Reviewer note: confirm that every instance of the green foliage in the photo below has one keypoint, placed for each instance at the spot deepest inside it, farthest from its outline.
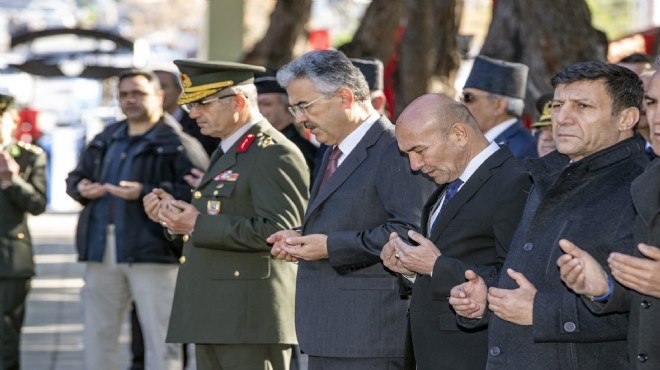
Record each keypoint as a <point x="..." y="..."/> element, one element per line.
<point x="612" y="17"/>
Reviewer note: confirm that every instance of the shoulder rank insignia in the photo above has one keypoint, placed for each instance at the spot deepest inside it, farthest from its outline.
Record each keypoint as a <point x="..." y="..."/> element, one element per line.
<point x="245" y="143"/>
<point x="265" y="141"/>
<point x="29" y="147"/>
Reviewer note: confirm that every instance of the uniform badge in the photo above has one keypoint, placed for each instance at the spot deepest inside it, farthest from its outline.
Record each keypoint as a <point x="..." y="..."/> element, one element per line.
<point x="213" y="207"/>
<point x="243" y="146"/>
<point x="228" y="175"/>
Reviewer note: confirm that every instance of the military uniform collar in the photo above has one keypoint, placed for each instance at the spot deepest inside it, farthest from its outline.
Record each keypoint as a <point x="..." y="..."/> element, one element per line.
<point x="227" y="143"/>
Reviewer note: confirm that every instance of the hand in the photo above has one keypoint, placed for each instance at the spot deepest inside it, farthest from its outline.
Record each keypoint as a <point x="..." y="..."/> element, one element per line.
<point x="581" y="272"/>
<point x="178" y="216"/>
<point x="277" y="240"/>
<point x="419" y="259"/>
<point x="90" y="190"/>
<point x="516" y="305"/>
<point x="153" y="201"/>
<point x="469" y="299"/>
<point x="127" y="190"/>
<point x="639" y="274"/>
<point x="309" y="247"/>
<point x="391" y="258"/>
<point x="8" y="166"/>
<point x="194" y="178"/>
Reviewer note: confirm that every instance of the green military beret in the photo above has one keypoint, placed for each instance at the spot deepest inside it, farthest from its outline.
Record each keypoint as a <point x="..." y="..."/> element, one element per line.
<point x="202" y="79"/>
<point x="6" y="102"/>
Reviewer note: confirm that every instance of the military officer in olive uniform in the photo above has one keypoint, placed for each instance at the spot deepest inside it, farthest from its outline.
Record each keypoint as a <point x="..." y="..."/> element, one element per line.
<point x="22" y="191"/>
<point x="232" y="299"/>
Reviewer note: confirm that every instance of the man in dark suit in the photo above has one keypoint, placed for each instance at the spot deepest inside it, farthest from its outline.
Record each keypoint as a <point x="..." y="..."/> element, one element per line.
<point x="349" y="314"/>
<point x="22" y="191"/>
<point x="581" y="193"/>
<point x="495" y="95"/>
<point x="488" y="188"/>
<point x="232" y="299"/>
<point x="633" y="283"/>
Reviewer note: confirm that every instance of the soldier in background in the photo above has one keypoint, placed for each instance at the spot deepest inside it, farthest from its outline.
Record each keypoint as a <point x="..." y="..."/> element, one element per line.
<point x="22" y="191"/>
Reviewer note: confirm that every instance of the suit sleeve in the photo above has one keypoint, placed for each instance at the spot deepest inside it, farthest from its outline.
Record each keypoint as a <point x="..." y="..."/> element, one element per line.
<point x="506" y="212"/>
<point x="30" y="194"/>
<point x="279" y="184"/>
<point x="402" y="194"/>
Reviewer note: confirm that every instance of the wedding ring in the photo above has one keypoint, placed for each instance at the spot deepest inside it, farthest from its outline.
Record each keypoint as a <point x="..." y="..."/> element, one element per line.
<point x="396" y="255"/>
<point x="163" y="223"/>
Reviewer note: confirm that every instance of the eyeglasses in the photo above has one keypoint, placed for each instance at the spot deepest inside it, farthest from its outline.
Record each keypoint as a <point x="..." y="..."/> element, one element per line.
<point x="302" y="108"/>
<point x="469" y="97"/>
<point x="190" y="106"/>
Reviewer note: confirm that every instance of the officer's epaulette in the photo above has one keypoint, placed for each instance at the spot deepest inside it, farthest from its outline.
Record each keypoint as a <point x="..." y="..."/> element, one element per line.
<point x="29" y="147"/>
<point x="263" y="140"/>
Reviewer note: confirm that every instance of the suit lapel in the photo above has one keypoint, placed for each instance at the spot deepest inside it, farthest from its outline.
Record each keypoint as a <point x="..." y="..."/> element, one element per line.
<point x="476" y="181"/>
<point x="347" y="167"/>
<point x="644" y="191"/>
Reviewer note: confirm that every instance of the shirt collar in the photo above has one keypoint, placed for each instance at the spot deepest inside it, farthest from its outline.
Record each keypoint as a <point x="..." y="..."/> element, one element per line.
<point x="477" y="161"/>
<point x="499" y="128"/>
<point x="351" y="141"/>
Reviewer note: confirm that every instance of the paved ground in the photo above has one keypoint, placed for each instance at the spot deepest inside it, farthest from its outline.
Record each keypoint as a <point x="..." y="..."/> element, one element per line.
<point x="52" y="334"/>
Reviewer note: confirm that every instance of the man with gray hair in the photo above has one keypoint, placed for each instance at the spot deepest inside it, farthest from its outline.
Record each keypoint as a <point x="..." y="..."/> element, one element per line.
<point x="349" y="314"/>
<point x="495" y="95"/>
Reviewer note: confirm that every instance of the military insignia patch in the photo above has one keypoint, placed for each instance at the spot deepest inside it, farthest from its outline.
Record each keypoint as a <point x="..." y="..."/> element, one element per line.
<point x="185" y="80"/>
<point x="213" y="207"/>
<point x="228" y="175"/>
<point x="247" y="140"/>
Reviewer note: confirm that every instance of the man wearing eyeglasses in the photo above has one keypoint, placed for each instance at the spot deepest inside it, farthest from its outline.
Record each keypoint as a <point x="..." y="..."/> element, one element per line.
<point x="495" y="95"/>
<point x="349" y="313"/>
<point x="232" y="299"/>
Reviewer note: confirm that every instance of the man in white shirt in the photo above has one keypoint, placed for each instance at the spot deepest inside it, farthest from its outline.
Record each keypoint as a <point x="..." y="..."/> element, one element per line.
<point x="467" y="223"/>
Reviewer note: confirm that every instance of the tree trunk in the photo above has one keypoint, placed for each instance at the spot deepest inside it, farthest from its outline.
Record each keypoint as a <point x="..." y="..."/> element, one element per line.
<point x="287" y="23"/>
<point x="544" y="36"/>
<point x="429" y="53"/>
<point x="447" y="59"/>
<point x="375" y="36"/>
<point x="416" y="60"/>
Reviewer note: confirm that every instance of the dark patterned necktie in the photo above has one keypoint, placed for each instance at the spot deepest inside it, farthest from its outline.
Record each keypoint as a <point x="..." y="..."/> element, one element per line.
<point x="332" y="165"/>
<point x="450" y="191"/>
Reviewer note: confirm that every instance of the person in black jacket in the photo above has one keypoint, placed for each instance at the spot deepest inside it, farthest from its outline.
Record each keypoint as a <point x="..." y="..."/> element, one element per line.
<point x="633" y="283"/>
<point x="127" y="254"/>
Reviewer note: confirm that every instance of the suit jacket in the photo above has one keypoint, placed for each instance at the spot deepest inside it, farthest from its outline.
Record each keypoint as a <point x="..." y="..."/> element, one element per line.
<point x="26" y="194"/>
<point x="519" y="140"/>
<point x="644" y="329"/>
<point x="229" y="289"/>
<point x="473" y="231"/>
<point x="349" y="304"/>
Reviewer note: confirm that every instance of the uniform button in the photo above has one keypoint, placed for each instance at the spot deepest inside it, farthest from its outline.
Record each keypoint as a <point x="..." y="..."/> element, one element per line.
<point x="186" y="238"/>
<point x="197" y="195"/>
<point x="642" y="357"/>
<point x="495" y="351"/>
<point x="569" y="327"/>
<point x="237" y="273"/>
<point x="645" y="304"/>
<point x="20" y="235"/>
<point x="182" y="260"/>
<point x="528" y="247"/>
